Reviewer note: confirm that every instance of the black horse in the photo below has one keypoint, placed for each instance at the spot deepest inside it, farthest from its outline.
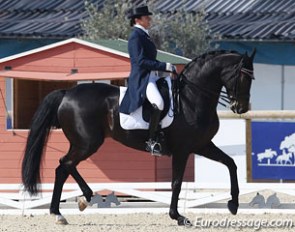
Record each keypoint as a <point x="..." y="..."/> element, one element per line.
<point x="88" y="113"/>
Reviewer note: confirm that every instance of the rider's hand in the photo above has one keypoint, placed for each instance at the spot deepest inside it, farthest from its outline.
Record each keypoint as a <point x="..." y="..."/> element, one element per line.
<point x="172" y="68"/>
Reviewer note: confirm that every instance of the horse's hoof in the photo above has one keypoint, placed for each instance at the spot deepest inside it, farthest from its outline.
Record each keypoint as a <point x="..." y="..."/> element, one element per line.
<point x="82" y="203"/>
<point x="232" y="207"/>
<point x="60" y="220"/>
<point x="182" y="221"/>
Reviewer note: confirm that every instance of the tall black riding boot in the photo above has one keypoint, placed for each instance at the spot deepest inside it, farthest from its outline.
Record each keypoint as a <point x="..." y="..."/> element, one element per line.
<point x="152" y="145"/>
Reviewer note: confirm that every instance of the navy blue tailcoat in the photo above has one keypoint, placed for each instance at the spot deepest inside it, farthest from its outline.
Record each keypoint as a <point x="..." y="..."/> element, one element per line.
<point x="143" y="55"/>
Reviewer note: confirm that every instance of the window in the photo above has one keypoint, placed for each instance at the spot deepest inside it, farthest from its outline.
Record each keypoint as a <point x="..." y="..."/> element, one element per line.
<point x="24" y="96"/>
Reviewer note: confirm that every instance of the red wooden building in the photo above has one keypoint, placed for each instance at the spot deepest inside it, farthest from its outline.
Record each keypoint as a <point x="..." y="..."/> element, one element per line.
<point x="27" y="77"/>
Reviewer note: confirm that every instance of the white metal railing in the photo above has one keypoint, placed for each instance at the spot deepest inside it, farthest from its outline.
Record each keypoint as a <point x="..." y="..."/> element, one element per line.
<point x="192" y="194"/>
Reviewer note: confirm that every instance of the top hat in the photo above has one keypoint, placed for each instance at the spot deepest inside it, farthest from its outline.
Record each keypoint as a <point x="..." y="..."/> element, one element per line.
<point x="138" y="11"/>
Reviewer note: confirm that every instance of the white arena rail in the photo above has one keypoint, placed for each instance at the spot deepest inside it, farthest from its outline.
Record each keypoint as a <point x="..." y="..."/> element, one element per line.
<point x="257" y="114"/>
<point x="192" y="194"/>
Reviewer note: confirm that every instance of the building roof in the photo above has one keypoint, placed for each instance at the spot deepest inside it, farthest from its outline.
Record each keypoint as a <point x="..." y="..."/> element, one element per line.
<point x="72" y="59"/>
<point x="122" y="46"/>
<point x="75" y="59"/>
<point x="117" y="47"/>
<point x="231" y="19"/>
<point x="34" y="18"/>
<point x="243" y="19"/>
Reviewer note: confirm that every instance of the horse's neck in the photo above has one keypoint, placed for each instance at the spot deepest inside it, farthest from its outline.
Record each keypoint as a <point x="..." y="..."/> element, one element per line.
<point x="201" y="95"/>
<point x="201" y="89"/>
<point x="198" y="109"/>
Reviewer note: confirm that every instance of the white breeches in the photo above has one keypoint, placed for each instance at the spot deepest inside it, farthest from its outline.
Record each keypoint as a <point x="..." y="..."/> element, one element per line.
<point x="152" y="92"/>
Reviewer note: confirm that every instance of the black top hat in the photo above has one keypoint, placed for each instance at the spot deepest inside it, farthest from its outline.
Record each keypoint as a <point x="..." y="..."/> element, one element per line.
<point x="138" y="11"/>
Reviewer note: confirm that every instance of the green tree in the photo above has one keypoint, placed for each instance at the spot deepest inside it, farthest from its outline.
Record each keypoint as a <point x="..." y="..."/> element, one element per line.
<point x="180" y="32"/>
<point x="109" y="22"/>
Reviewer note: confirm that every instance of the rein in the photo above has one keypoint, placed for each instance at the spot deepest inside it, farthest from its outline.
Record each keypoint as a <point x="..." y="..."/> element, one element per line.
<point x="222" y="95"/>
<point x="248" y="72"/>
<point x="181" y="78"/>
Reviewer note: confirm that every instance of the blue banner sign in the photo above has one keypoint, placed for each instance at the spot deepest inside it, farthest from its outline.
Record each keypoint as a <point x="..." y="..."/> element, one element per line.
<point x="273" y="150"/>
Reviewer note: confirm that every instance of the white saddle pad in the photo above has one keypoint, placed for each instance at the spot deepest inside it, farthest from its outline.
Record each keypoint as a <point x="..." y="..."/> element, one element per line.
<point x="135" y="120"/>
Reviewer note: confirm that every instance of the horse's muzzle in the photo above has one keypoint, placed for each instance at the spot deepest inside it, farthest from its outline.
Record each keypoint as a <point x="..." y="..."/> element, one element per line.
<point x="239" y="108"/>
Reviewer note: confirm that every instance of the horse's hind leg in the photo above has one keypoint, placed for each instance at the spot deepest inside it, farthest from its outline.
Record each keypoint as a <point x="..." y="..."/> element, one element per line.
<point x="70" y="162"/>
<point x="214" y="153"/>
<point x="68" y="167"/>
<point x="61" y="175"/>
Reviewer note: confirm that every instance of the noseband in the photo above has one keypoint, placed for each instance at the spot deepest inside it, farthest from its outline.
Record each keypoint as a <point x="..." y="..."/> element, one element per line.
<point x="240" y="71"/>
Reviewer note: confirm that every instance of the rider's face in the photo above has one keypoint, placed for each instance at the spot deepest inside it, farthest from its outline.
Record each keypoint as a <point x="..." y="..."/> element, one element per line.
<point x="144" y="21"/>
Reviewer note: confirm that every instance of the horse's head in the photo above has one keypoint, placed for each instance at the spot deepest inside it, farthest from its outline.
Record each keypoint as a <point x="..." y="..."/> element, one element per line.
<point x="202" y="79"/>
<point x="237" y="79"/>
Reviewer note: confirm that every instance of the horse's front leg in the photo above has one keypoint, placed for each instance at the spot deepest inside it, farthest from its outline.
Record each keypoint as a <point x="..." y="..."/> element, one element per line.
<point x="178" y="168"/>
<point x="214" y="153"/>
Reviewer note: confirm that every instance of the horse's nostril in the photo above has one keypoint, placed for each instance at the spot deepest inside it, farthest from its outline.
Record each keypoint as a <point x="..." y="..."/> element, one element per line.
<point x="242" y="110"/>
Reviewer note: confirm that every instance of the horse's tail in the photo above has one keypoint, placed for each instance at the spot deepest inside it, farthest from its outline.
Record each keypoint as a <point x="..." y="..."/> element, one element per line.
<point x="44" y="118"/>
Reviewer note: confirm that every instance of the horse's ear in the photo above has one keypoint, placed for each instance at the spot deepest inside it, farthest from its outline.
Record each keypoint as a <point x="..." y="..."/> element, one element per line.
<point x="253" y="54"/>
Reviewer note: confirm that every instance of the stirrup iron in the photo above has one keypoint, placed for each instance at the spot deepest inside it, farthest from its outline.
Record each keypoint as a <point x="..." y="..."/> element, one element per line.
<point x="151" y="148"/>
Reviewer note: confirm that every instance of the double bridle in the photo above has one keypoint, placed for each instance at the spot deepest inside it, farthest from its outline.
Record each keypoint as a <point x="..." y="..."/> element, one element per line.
<point x="222" y="95"/>
<point x="248" y="73"/>
<point x="240" y="70"/>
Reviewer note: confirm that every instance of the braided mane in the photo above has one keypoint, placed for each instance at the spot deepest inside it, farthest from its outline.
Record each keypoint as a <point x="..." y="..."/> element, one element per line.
<point x="214" y="53"/>
<point x="203" y="58"/>
<point x="198" y="63"/>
